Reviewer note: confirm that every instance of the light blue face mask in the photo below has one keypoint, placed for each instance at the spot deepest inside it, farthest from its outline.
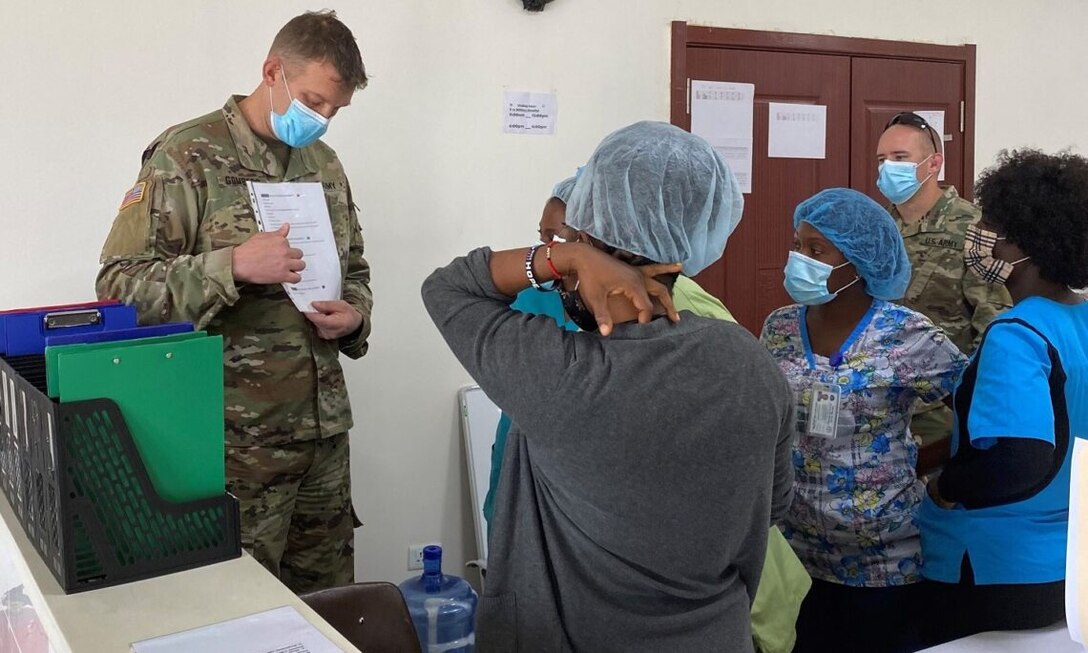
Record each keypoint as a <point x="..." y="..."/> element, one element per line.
<point x="897" y="180"/>
<point x="300" y="125"/>
<point x="806" y="280"/>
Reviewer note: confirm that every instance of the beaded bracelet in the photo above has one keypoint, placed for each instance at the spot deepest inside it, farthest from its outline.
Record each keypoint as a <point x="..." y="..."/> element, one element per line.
<point x="551" y="266"/>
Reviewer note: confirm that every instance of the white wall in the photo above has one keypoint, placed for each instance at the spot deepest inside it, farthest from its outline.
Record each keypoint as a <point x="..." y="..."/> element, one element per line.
<point x="87" y="85"/>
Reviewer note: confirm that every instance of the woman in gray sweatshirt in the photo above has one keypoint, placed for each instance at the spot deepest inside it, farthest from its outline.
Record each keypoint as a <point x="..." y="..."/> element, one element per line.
<point x="648" y="455"/>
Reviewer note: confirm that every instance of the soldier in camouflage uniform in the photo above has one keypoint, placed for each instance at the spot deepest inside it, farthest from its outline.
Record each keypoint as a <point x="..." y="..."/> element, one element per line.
<point x="185" y="246"/>
<point x="933" y="222"/>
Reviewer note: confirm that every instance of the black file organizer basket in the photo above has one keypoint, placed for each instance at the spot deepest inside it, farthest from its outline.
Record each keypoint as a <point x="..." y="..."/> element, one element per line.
<point x="76" y="482"/>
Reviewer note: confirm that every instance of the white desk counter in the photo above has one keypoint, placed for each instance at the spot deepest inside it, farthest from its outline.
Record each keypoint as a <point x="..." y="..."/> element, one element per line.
<point x="1045" y="640"/>
<point x="108" y="620"/>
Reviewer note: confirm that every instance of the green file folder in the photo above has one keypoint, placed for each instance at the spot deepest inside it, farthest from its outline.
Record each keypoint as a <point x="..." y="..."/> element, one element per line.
<point x="52" y="353"/>
<point x="170" y="393"/>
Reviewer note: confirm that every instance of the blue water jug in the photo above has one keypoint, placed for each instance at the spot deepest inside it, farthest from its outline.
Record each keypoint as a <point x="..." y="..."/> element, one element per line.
<point x="443" y="607"/>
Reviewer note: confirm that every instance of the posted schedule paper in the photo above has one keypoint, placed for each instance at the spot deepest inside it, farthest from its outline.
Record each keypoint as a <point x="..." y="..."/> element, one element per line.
<point x="796" y="131"/>
<point x="529" y="113"/>
<point x="281" y="630"/>
<point x="302" y="205"/>
<point x="723" y="114"/>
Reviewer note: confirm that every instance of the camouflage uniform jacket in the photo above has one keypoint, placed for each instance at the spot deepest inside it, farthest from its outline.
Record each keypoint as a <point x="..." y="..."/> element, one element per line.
<point x="941" y="286"/>
<point x="169" y="254"/>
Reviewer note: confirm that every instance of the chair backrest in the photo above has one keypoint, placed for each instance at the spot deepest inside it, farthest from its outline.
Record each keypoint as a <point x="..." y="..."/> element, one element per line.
<point x="372" y="616"/>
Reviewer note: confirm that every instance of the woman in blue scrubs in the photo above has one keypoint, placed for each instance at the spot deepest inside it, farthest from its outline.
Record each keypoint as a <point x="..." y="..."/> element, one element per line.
<point x="858" y="365"/>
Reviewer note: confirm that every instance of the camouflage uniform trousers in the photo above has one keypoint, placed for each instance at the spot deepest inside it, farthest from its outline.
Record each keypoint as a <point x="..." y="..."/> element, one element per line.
<point x="297" y="518"/>
<point x="931" y="423"/>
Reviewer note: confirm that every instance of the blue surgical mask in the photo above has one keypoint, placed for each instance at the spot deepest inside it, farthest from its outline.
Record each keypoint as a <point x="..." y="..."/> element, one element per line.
<point x="806" y="280"/>
<point x="898" y="181"/>
<point x="300" y="125"/>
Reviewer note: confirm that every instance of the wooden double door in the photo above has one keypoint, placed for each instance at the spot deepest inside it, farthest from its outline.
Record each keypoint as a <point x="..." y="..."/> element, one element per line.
<point x="863" y="83"/>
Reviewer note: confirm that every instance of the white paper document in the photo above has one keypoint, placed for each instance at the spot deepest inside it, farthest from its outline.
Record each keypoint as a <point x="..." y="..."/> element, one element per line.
<point x="1076" y="553"/>
<point x="529" y="113"/>
<point x="302" y="205"/>
<point x="281" y="630"/>
<point x="722" y="113"/>
<point x="936" y="121"/>
<point x="796" y="131"/>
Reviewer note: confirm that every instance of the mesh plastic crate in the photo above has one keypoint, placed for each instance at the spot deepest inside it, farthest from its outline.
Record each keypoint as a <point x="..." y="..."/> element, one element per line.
<point x="75" y="480"/>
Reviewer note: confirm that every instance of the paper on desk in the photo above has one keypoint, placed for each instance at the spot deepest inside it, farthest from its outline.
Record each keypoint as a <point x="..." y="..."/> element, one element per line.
<point x="280" y="630"/>
<point x="1076" y="556"/>
<point x="302" y="205"/>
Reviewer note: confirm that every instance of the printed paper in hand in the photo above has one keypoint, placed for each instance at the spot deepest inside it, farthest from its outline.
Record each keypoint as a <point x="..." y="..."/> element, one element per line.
<point x="302" y="205"/>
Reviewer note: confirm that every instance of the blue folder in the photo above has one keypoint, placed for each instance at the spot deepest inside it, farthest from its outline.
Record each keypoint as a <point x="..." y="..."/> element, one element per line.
<point x="23" y="332"/>
<point x="148" y="331"/>
<point x="5" y="314"/>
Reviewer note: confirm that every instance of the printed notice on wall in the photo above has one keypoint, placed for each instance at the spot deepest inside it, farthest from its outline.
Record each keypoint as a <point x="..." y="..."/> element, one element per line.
<point x="936" y="121"/>
<point x="796" y="131"/>
<point x="722" y="113"/>
<point x="529" y="113"/>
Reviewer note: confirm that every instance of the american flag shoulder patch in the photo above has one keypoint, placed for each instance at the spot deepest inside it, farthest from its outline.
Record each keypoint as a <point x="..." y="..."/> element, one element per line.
<point x="135" y="195"/>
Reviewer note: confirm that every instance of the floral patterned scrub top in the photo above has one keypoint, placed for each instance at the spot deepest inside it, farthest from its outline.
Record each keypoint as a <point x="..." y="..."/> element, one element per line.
<point x="856" y="495"/>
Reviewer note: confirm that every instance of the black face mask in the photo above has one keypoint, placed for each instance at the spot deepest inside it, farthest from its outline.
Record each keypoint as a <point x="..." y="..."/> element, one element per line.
<point x="576" y="310"/>
<point x="572" y="302"/>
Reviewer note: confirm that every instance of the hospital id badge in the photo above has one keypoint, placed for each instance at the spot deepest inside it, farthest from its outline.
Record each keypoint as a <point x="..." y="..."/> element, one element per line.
<point x="823" y="411"/>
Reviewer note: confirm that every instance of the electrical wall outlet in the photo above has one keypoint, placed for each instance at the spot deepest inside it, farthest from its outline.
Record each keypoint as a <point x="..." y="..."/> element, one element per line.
<point x="415" y="555"/>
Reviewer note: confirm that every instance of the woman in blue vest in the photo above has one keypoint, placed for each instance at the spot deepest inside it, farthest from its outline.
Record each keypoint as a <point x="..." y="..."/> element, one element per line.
<point x="994" y="523"/>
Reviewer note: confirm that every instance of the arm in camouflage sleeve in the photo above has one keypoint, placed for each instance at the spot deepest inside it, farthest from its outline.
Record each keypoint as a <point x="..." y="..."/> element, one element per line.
<point x="986" y="301"/>
<point x="357" y="290"/>
<point x="149" y="258"/>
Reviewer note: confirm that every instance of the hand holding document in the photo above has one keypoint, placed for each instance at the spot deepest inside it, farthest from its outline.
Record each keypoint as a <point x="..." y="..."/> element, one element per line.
<point x="302" y="206"/>
<point x="334" y="319"/>
<point x="267" y="257"/>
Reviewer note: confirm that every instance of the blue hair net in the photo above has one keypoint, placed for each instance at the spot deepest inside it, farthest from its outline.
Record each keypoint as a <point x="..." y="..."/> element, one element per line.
<point x="866" y="235"/>
<point x="563" y="189"/>
<point x="658" y="191"/>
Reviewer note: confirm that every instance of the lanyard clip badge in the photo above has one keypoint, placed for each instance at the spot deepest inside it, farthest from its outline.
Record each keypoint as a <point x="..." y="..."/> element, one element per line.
<point x="823" y="412"/>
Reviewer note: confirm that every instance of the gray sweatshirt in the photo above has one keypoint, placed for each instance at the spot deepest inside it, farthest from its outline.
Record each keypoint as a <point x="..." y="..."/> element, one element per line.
<point x="638" y="481"/>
